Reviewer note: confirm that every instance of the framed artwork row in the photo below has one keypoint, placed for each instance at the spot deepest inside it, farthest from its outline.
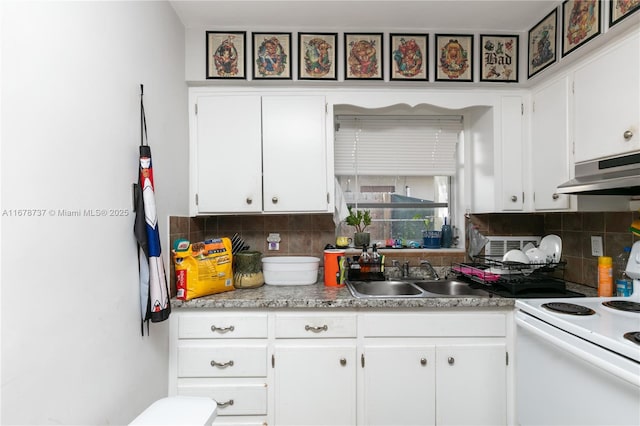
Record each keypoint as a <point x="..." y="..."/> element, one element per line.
<point x="270" y="56"/>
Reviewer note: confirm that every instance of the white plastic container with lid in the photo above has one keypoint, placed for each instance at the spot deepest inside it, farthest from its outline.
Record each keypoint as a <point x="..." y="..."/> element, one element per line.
<point x="290" y="270"/>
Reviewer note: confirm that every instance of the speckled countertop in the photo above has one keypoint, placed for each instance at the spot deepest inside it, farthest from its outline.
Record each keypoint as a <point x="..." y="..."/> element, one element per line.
<point x="320" y="296"/>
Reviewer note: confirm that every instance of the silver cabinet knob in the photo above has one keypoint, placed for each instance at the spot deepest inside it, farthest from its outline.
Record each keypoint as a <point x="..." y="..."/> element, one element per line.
<point x="343" y="361"/>
<point x="451" y="360"/>
<point x="514" y="198"/>
<point x="249" y="200"/>
<point x="274" y="200"/>
<point x="423" y="361"/>
<point x="555" y="196"/>
<point x="627" y="135"/>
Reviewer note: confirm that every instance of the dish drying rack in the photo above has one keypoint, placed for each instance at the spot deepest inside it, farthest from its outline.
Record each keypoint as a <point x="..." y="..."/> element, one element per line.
<point x="513" y="276"/>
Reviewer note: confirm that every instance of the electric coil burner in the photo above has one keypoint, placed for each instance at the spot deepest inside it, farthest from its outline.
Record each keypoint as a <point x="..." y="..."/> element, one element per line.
<point x="623" y="305"/>
<point x="633" y="336"/>
<point x="568" y="308"/>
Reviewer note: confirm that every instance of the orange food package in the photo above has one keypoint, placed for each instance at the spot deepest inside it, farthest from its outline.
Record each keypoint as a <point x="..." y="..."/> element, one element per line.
<point x="204" y="269"/>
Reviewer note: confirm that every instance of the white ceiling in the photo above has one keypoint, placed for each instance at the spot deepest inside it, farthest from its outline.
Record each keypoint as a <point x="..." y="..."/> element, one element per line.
<point x="377" y="15"/>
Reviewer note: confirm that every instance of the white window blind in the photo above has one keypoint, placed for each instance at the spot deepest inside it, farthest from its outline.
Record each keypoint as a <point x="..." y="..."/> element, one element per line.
<point x="391" y="145"/>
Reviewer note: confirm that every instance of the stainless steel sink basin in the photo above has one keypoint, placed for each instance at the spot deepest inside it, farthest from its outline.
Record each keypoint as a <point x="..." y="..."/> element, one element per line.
<point x="450" y="288"/>
<point x="383" y="289"/>
<point x="413" y="289"/>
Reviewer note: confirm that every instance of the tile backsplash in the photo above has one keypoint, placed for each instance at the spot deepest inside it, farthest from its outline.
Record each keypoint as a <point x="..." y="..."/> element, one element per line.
<point x="307" y="235"/>
<point x="575" y="229"/>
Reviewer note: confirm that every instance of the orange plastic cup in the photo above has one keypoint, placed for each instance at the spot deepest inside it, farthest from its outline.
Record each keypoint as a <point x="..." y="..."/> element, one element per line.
<point x="331" y="267"/>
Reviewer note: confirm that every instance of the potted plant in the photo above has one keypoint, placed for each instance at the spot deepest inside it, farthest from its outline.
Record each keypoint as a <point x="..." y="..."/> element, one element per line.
<point x="360" y="220"/>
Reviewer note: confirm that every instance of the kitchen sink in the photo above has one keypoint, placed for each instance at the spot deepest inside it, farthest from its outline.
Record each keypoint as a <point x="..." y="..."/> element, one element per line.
<point x="406" y="288"/>
<point x="450" y="288"/>
<point x="365" y="289"/>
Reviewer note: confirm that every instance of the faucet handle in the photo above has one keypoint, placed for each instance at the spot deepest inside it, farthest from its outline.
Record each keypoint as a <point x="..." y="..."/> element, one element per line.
<point x="394" y="262"/>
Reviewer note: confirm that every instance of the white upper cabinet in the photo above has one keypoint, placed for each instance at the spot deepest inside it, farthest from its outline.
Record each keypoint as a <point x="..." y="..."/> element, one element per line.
<point x="252" y="153"/>
<point x="511" y="177"/>
<point x="550" y="161"/>
<point x="606" y="102"/>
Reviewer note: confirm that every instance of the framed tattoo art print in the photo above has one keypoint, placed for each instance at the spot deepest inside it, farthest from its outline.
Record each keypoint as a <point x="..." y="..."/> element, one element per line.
<point x="620" y="9"/>
<point x="542" y="44"/>
<point x="317" y="56"/>
<point x="226" y="54"/>
<point x="272" y="56"/>
<point x="454" y="57"/>
<point x="499" y="58"/>
<point x="363" y="56"/>
<point x="580" y="23"/>
<point x="409" y="56"/>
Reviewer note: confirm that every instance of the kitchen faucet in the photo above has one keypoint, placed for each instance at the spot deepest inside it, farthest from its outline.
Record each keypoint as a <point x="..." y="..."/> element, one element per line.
<point x="405" y="267"/>
<point x="432" y="270"/>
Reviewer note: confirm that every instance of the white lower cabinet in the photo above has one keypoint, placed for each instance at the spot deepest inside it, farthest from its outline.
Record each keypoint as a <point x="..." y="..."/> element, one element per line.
<point x="345" y="367"/>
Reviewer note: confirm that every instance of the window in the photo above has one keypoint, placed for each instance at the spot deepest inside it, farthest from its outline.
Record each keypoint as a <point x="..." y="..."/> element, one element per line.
<point x="400" y="168"/>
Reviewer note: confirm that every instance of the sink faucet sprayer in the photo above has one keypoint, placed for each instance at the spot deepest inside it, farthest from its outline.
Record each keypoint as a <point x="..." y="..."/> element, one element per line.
<point x="432" y="270"/>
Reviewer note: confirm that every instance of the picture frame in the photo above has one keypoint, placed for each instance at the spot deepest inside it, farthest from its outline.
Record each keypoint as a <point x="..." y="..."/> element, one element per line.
<point x="226" y="54"/>
<point x="619" y="10"/>
<point x="542" y="44"/>
<point x="363" y="56"/>
<point x="581" y="21"/>
<point x="271" y="57"/>
<point x="409" y="57"/>
<point x="317" y="56"/>
<point x="499" y="58"/>
<point x="453" y="57"/>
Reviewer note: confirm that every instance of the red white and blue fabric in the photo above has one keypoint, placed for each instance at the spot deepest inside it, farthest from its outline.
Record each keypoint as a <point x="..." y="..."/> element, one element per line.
<point x="154" y="291"/>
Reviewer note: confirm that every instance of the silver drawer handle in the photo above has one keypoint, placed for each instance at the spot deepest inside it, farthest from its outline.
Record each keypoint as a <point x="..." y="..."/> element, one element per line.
<point x="222" y="329"/>
<point x="627" y="135"/>
<point x="343" y="361"/>
<point x="423" y="361"/>
<point x="316" y="329"/>
<point x="555" y="196"/>
<point x="222" y="364"/>
<point x="224" y="404"/>
<point x="451" y="360"/>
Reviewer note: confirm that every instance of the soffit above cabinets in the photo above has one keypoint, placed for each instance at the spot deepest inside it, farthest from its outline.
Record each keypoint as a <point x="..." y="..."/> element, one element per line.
<point x="356" y="15"/>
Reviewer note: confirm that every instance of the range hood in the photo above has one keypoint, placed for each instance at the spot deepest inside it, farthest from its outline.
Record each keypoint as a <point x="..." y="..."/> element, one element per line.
<point x="611" y="176"/>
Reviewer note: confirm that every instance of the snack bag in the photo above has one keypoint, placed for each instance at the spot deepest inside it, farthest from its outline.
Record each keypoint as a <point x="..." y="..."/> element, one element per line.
<point x="204" y="268"/>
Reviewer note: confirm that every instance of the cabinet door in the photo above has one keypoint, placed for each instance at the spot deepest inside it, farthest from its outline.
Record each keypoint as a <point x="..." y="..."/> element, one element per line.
<point x="606" y="102"/>
<point x="511" y="152"/>
<point x="550" y="145"/>
<point x="228" y="154"/>
<point x="399" y="385"/>
<point x="473" y="375"/>
<point x="315" y="384"/>
<point x="294" y="153"/>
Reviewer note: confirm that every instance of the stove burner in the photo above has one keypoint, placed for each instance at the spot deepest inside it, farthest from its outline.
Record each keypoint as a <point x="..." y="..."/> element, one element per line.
<point x="623" y="305"/>
<point x="633" y="336"/>
<point x="568" y="308"/>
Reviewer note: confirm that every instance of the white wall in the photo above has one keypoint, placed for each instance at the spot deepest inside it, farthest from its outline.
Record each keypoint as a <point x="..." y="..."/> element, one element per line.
<point x="72" y="352"/>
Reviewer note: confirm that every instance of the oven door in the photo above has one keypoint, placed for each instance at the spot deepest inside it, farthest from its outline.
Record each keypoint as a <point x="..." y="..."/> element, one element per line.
<point x="564" y="380"/>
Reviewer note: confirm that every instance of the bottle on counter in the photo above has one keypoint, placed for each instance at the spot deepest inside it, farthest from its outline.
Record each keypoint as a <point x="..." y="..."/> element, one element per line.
<point x="375" y="259"/>
<point x="605" y="276"/>
<point x="623" y="284"/>
<point x="364" y="260"/>
<point x="446" y="236"/>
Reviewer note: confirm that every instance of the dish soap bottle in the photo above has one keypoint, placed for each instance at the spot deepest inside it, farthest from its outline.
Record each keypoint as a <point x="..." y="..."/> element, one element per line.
<point x="365" y="260"/>
<point x="624" y="284"/>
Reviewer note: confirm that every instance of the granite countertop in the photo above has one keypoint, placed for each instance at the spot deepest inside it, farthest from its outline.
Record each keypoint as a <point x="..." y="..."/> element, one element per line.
<point x="320" y="296"/>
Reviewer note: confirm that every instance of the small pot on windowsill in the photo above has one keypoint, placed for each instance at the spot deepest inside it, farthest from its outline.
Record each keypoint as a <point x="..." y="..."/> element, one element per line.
<point x="361" y="239"/>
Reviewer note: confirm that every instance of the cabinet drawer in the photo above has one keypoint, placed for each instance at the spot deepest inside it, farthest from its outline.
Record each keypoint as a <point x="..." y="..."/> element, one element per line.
<point x="315" y="326"/>
<point x="208" y="326"/>
<point x="435" y="325"/>
<point x="233" y="400"/>
<point x="213" y="359"/>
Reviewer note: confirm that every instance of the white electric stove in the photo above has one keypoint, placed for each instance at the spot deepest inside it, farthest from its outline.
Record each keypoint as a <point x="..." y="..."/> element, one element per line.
<point x="580" y="357"/>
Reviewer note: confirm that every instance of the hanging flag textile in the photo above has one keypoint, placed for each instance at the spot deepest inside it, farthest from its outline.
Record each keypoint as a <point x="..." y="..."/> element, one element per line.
<point x="154" y="290"/>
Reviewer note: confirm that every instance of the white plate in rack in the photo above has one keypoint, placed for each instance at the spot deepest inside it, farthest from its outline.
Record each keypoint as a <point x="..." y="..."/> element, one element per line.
<point x="552" y="245"/>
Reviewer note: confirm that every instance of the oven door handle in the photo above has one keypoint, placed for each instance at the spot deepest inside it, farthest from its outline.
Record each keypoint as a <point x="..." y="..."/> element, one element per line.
<point x="634" y="379"/>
